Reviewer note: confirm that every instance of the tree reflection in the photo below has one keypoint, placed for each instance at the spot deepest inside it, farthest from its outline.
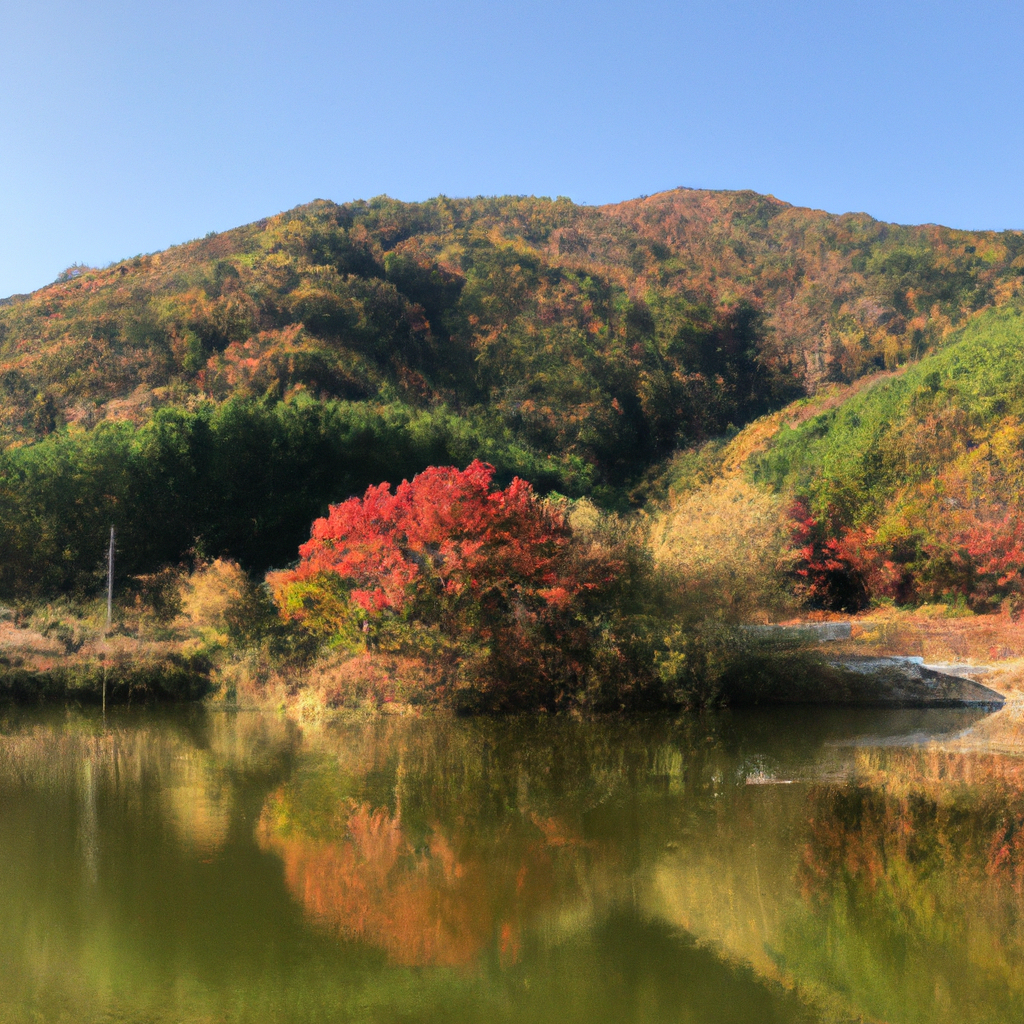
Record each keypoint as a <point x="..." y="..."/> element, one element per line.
<point x="914" y="883"/>
<point x="434" y="867"/>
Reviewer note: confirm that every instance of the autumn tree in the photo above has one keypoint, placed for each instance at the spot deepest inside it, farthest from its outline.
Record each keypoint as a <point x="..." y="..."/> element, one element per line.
<point x="826" y="575"/>
<point x="465" y="573"/>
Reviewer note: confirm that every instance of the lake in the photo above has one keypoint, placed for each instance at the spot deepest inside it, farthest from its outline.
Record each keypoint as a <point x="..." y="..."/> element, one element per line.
<point x="786" y="865"/>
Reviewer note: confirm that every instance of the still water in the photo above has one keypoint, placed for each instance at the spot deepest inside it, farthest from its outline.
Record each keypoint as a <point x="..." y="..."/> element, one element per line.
<point x="799" y="865"/>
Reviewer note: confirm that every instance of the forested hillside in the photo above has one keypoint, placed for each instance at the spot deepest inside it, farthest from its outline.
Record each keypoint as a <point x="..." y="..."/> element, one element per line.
<point x="844" y="294"/>
<point x="466" y="304"/>
<point x="919" y="480"/>
<point x="592" y="329"/>
<point x="214" y="397"/>
<point x="909" y="487"/>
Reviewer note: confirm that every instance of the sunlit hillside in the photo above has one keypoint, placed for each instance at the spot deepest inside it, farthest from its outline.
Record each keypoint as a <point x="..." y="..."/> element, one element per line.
<point x="212" y="399"/>
<point x="909" y="482"/>
<point x="845" y="294"/>
<point x="531" y="307"/>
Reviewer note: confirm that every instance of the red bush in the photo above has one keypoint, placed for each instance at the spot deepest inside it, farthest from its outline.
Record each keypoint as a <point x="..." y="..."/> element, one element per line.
<point x="827" y="576"/>
<point x="984" y="558"/>
<point x="490" y="571"/>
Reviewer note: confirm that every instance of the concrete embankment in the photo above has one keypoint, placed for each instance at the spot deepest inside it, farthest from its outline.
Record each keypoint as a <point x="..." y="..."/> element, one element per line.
<point x="908" y="682"/>
<point x="874" y="679"/>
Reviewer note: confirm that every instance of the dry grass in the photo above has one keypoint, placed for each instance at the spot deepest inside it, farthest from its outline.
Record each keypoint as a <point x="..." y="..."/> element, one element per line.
<point x="174" y="628"/>
<point x="995" y="642"/>
<point x="725" y="541"/>
<point x="187" y="617"/>
<point x="28" y="647"/>
<point x="334" y="685"/>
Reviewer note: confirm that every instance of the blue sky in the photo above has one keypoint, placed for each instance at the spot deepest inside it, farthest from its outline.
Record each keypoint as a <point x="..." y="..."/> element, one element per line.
<point x="126" y="127"/>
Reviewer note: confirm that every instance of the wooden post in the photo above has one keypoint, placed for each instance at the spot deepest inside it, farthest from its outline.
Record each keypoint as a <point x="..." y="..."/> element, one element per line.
<point x="110" y="580"/>
<point x="110" y="611"/>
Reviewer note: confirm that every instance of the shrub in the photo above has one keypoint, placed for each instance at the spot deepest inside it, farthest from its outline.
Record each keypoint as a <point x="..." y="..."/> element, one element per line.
<point x="489" y="583"/>
<point x="827" y="577"/>
<point x="725" y="543"/>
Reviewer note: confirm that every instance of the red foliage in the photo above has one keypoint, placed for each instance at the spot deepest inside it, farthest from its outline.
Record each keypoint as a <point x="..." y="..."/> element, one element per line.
<point x="976" y="555"/>
<point x="827" y="574"/>
<point x="980" y="556"/>
<point x="438" y="537"/>
<point x="886" y="568"/>
<point x="996" y="551"/>
<point x="444" y="550"/>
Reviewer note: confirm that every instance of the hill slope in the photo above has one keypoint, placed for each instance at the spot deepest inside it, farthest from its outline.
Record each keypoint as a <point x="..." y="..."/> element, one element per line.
<point x="216" y="396"/>
<point x="463" y="303"/>
<point x="909" y="487"/>
<point x="599" y="330"/>
<point x="845" y="294"/>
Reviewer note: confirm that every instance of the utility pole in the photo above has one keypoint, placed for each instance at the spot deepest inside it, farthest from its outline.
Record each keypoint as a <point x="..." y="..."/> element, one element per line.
<point x="110" y="611"/>
<point x="110" y="580"/>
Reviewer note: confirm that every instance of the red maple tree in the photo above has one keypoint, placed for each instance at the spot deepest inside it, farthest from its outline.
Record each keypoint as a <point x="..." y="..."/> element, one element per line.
<point x="827" y="576"/>
<point x="491" y="568"/>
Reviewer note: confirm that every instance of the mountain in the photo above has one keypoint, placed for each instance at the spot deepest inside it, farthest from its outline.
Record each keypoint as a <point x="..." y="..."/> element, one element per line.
<point x="216" y="396"/>
<point x="601" y="330"/>
<point x="470" y="304"/>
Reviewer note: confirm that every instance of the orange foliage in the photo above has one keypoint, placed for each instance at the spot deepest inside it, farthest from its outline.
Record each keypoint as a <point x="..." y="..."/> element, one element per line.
<point x="437" y="904"/>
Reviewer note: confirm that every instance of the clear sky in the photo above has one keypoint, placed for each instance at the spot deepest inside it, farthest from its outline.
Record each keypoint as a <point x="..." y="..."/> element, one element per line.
<point x="128" y="126"/>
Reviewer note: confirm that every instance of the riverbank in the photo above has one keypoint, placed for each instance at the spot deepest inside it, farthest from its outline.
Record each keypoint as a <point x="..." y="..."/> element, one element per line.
<point x="888" y="658"/>
<point x="987" y="648"/>
<point x="34" y="667"/>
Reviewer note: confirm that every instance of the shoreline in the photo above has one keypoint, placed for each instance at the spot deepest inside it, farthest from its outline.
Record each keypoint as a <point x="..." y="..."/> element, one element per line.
<point x="853" y="667"/>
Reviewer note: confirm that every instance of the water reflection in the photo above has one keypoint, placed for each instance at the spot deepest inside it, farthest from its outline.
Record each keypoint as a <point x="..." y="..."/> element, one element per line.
<point x="922" y="863"/>
<point x="438" y="844"/>
<point x="232" y="867"/>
